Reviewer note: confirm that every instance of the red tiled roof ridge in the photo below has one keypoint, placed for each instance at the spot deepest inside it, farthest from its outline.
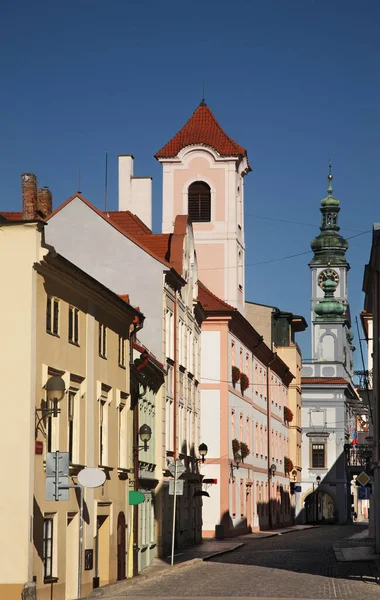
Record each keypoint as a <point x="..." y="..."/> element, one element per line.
<point x="124" y="297"/>
<point x="218" y="301"/>
<point x="137" y="345"/>
<point x="201" y="129"/>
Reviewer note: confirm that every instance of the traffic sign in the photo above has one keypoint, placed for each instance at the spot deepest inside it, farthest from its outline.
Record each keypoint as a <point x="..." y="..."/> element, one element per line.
<point x="180" y="467"/>
<point x="364" y="493"/>
<point x="363" y="478"/>
<point x="178" y="487"/>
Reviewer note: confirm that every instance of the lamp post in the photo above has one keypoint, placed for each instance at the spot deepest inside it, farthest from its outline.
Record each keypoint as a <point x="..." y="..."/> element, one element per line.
<point x="55" y="390"/>
<point x="202" y="449"/>
<point x="271" y="473"/>
<point x="237" y="459"/>
<point x="145" y="434"/>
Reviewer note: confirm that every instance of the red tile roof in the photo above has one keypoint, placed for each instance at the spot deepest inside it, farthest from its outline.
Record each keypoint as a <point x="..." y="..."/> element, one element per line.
<point x="325" y="380"/>
<point x="127" y="221"/>
<point x="124" y="297"/>
<point x="202" y="128"/>
<point x="158" y="244"/>
<point x="12" y="216"/>
<point x="210" y="302"/>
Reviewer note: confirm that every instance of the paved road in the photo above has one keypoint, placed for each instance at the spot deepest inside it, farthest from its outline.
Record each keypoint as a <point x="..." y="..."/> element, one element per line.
<point x="295" y="565"/>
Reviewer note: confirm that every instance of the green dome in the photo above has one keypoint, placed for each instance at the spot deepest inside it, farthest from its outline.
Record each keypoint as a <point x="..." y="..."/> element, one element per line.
<point x="329" y="308"/>
<point x="330" y="201"/>
<point x="329" y="246"/>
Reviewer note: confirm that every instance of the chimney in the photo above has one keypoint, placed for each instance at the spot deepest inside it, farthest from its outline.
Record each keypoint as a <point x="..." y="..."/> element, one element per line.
<point x="29" y="195"/>
<point x="44" y="206"/>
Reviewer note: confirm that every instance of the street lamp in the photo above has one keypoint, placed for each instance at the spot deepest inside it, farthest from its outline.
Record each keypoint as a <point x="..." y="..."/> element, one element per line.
<point x="272" y="470"/>
<point x="237" y="459"/>
<point x="202" y="449"/>
<point x="294" y="473"/>
<point x="145" y="434"/>
<point x="55" y="390"/>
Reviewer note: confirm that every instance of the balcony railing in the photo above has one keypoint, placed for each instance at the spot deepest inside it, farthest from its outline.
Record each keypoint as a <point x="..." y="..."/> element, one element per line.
<point x="359" y="455"/>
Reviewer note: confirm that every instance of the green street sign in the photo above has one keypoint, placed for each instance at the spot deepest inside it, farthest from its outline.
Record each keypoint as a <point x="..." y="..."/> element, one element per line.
<point x="136" y="498"/>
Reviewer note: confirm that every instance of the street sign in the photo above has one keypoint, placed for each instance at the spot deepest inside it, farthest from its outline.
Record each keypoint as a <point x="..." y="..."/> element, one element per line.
<point x="179" y="487"/>
<point x="57" y="476"/>
<point x="363" y="478"/>
<point x="180" y="467"/>
<point x="364" y="493"/>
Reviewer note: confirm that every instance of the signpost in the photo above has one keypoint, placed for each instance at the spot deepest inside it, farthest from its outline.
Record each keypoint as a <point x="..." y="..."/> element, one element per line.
<point x="57" y="488"/>
<point x="176" y="468"/>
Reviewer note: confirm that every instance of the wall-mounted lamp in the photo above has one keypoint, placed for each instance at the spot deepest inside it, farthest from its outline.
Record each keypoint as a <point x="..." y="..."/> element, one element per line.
<point x="272" y="470"/>
<point x="294" y="473"/>
<point x="237" y="459"/>
<point x="318" y="479"/>
<point x="202" y="449"/>
<point x="55" y="390"/>
<point x="145" y="434"/>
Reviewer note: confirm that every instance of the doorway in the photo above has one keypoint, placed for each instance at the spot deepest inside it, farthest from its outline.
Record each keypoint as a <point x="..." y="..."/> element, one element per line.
<point x="121" y="547"/>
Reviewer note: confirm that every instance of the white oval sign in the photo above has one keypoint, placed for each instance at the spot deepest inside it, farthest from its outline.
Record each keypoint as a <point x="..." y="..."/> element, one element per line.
<point x="91" y="477"/>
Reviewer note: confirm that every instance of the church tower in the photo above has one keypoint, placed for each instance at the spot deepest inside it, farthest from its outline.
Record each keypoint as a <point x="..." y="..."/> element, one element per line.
<point x="203" y="176"/>
<point x="330" y="311"/>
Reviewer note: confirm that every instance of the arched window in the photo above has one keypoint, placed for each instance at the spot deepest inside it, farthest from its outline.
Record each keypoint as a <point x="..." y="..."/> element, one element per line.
<point x="199" y="206"/>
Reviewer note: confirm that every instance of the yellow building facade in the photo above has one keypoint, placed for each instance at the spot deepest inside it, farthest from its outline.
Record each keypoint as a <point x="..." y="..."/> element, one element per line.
<point x="58" y="321"/>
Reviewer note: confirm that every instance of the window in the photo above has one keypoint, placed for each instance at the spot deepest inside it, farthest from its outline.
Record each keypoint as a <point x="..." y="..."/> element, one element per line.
<point x="102" y="341"/>
<point x="48" y="546"/>
<point x="318" y="456"/>
<point x="73" y="325"/>
<point x="121" y="352"/>
<point x="52" y="315"/>
<point x="199" y="205"/>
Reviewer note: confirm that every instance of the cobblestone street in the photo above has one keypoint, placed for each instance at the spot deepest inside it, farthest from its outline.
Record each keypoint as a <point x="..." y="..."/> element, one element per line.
<point x="296" y="565"/>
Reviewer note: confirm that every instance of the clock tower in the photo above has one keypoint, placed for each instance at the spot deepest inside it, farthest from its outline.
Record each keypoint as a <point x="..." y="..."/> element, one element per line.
<point x="330" y="312"/>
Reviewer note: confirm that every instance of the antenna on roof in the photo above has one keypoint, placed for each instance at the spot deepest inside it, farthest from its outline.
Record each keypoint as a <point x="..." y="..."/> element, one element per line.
<point x="203" y="92"/>
<point x="79" y="178"/>
<point x="106" y="183"/>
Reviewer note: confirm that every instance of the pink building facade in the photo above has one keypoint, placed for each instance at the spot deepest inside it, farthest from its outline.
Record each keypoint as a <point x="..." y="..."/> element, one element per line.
<point x="203" y="176"/>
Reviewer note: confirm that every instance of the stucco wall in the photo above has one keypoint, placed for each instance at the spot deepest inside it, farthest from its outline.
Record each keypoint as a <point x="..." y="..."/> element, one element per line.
<point x="85" y="238"/>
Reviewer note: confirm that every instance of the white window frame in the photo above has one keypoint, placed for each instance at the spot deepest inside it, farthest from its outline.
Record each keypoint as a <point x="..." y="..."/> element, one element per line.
<point x="73" y="325"/>
<point x="52" y="315"/>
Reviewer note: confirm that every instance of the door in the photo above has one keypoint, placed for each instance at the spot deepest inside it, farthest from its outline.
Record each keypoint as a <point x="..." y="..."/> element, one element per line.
<point x="121" y="546"/>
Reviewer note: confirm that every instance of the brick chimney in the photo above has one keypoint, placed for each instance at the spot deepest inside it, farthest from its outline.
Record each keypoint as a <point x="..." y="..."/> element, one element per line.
<point x="29" y="195"/>
<point x="44" y="206"/>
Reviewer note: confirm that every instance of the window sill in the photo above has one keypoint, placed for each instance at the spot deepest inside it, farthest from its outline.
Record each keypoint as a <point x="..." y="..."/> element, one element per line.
<point x="74" y="343"/>
<point x="122" y="367"/>
<point x="52" y="333"/>
<point x="51" y="579"/>
<point x="103" y="356"/>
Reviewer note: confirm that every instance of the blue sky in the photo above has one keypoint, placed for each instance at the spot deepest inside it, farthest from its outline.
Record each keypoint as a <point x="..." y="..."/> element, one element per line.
<point x="292" y="81"/>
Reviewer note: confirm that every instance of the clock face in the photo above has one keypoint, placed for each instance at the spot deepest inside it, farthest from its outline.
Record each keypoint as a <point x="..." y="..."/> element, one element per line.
<point x="328" y="274"/>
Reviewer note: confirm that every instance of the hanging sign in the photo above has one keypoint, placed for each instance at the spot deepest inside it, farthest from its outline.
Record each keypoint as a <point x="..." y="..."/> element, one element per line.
<point x="135" y="497"/>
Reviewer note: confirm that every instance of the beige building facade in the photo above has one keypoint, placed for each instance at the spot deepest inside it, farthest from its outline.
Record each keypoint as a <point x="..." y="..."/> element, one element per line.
<point x="61" y="322"/>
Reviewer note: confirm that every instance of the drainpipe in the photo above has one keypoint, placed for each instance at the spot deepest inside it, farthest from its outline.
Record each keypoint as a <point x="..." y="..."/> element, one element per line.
<point x="376" y="340"/>
<point x="137" y="327"/>
<point x="175" y="379"/>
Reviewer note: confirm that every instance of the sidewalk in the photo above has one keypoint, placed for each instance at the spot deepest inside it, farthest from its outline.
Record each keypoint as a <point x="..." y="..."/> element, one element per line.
<point x="190" y="557"/>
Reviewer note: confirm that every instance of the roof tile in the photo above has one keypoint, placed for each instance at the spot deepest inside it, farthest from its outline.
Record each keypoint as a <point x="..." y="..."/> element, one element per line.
<point x="325" y="380"/>
<point x="210" y="302"/>
<point x="202" y="128"/>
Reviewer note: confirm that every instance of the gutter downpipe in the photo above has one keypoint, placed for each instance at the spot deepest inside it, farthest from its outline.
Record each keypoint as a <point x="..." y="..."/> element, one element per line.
<point x="175" y="379"/>
<point x="135" y="428"/>
<point x="375" y="509"/>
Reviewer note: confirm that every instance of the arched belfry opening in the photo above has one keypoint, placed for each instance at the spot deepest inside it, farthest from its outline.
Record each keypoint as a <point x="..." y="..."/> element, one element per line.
<point x="199" y="202"/>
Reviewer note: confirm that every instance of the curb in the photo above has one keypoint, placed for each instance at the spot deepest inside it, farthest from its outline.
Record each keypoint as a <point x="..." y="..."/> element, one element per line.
<point x="119" y="586"/>
<point x="220" y="552"/>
